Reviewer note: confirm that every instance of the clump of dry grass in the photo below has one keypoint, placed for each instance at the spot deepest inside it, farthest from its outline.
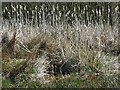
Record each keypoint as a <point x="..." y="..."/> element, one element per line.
<point x="59" y="50"/>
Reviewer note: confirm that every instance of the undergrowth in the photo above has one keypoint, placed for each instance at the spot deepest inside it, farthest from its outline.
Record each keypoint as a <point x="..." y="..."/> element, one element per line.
<point x="59" y="57"/>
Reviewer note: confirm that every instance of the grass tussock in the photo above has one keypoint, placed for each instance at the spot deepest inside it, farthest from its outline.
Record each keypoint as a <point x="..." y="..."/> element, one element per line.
<point x="31" y="56"/>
